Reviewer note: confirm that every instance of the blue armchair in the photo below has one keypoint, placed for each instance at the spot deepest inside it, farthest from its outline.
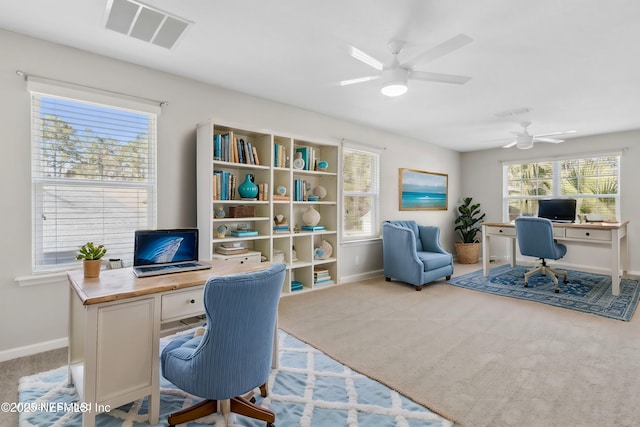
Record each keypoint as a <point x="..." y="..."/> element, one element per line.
<point x="233" y="357"/>
<point x="412" y="253"/>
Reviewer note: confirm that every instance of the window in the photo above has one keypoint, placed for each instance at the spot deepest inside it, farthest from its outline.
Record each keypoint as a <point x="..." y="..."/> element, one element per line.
<point x="93" y="175"/>
<point x="593" y="181"/>
<point x="360" y="172"/>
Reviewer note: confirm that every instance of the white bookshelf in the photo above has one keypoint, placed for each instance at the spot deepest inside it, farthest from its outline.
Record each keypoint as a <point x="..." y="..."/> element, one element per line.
<point x="272" y="245"/>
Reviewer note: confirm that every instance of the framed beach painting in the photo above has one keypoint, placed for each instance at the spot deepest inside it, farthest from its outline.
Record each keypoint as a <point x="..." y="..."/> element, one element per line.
<point x="420" y="190"/>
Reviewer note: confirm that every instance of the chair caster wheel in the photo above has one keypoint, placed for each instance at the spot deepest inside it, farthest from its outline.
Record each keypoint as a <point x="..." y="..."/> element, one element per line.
<point x="252" y="400"/>
<point x="557" y="291"/>
<point x="526" y="285"/>
<point x="271" y="425"/>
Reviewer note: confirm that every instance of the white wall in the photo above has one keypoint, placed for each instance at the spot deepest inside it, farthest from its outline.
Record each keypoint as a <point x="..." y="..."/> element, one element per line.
<point x="31" y="316"/>
<point x="482" y="180"/>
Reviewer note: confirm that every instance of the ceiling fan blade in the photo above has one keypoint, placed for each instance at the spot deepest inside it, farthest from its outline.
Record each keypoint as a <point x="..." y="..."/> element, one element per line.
<point x="551" y="140"/>
<point x="437" y="77"/>
<point x="358" y="80"/>
<point x="442" y="49"/>
<point x="511" y="144"/>
<point x="566" y="132"/>
<point x="366" y="58"/>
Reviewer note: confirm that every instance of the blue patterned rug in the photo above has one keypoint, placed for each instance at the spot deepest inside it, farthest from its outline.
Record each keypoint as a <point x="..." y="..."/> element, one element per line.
<point x="586" y="292"/>
<point x="308" y="389"/>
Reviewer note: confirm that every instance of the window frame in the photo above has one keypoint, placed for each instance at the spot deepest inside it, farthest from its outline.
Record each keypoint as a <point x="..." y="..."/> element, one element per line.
<point x="374" y="233"/>
<point x="41" y="88"/>
<point x="556" y="180"/>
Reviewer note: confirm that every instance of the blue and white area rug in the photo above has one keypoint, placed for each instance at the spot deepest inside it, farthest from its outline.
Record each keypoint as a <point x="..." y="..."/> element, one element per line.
<point x="308" y="389"/>
<point x="586" y="292"/>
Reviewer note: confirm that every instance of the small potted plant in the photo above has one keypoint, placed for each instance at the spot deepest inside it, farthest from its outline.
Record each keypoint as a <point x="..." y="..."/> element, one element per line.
<point x="92" y="258"/>
<point x="468" y="225"/>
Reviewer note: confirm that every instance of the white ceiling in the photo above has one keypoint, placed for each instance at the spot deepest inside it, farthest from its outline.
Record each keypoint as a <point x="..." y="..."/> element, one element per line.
<point x="573" y="63"/>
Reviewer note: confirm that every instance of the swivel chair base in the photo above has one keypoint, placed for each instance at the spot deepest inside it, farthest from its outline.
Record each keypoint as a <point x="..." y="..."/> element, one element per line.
<point x="545" y="270"/>
<point x="240" y="405"/>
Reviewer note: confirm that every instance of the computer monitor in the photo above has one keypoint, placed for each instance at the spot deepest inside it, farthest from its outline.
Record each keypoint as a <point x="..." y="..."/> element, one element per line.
<point x="559" y="210"/>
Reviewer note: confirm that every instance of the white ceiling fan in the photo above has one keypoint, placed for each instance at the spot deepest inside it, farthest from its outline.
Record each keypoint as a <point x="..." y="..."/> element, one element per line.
<point x="395" y="74"/>
<point x="525" y="140"/>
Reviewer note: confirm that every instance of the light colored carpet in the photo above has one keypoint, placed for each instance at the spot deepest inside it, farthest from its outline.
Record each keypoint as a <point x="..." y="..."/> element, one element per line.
<point x="475" y="358"/>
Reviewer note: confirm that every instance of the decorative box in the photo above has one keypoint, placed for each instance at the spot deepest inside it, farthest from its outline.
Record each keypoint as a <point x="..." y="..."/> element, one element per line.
<point x="242" y="211"/>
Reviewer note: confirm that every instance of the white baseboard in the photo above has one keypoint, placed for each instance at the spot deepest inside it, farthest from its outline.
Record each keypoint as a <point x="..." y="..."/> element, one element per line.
<point x="29" y="350"/>
<point x="361" y="276"/>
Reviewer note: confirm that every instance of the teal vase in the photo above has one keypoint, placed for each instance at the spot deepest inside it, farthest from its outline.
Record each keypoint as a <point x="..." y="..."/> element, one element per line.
<point x="248" y="190"/>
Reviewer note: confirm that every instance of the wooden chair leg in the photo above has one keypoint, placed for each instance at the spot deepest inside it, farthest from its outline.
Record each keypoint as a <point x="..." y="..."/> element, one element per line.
<point x="194" y="412"/>
<point x="242" y="406"/>
<point x="419" y="288"/>
<point x="264" y="391"/>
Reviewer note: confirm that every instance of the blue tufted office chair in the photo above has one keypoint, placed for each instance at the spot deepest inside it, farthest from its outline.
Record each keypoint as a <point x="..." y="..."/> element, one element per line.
<point x="233" y="357"/>
<point x="412" y="253"/>
<point x="535" y="238"/>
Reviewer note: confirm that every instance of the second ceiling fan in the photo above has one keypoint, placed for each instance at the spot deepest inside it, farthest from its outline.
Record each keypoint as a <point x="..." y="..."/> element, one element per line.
<point x="395" y="75"/>
<point x="525" y="140"/>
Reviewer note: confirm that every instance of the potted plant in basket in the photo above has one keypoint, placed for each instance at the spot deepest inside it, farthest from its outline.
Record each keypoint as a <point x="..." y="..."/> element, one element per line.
<point x="92" y="258"/>
<point x="467" y="226"/>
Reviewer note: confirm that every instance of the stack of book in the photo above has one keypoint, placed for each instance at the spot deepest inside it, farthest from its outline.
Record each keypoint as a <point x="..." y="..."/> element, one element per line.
<point x="281" y="228"/>
<point x="312" y="227"/>
<point x="295" y="285"/>
<point x="321" y="277"/>
<point x="232" y="248"/>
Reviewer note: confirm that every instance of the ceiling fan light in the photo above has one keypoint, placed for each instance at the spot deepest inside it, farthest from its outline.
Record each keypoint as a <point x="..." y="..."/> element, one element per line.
<point x="394" y="82"/>
<point x="394" y="89"/>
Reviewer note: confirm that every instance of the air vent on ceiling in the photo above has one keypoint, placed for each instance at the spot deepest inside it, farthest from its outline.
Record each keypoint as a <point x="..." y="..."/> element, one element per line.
<point x="144" y="22"/>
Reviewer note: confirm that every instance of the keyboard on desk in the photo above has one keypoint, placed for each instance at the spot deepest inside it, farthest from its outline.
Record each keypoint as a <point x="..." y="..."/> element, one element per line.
<point x="156" y="270"/>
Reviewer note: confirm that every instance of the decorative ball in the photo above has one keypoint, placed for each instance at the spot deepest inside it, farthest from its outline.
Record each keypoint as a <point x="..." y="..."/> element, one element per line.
<point x="311" y="216"/>
<point x="320" y="191"/>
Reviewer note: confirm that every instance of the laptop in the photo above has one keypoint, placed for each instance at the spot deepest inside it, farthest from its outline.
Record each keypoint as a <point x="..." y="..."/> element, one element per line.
<point x="157" y="252"/>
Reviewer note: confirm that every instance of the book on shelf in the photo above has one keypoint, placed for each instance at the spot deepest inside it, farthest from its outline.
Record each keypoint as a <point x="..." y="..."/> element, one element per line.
<point x="312" y="227"/>
<point x="231" y="251"/>
<point x="243" y="233"/>
<point x="232" y="245"/>
<point x="279" y="155"/>
<point x="256" y="159"/>
<point x="328" y="281"/>
<point x="224" y="184"/>
<point x="281" y="229"/>
<point x="317" y="270"/>
<point x="279" y="197"/>
<point x="296" y="286"/>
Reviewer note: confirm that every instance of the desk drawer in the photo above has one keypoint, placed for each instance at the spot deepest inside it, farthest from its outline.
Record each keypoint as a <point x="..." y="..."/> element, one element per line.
<point x="501" y="231"/>
<point x="588" y="234"/>
<point x="182" y="304"/>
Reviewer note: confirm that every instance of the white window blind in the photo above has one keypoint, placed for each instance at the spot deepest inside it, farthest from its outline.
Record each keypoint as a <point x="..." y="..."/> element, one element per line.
<point x="594" y="181"/>
<point x="360" y="193"/>
<point x="93" y="174"/>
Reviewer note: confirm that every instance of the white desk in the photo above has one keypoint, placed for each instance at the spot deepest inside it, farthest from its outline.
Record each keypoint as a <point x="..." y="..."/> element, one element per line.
<point x="613" y="235"/>
<point x="114" y="331"/>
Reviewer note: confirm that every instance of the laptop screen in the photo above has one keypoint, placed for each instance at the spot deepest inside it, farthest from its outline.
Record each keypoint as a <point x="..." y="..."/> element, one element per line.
<point x="165" y="246"/>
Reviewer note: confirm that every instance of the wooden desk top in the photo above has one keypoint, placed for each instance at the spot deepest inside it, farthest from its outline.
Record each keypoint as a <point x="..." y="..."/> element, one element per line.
<point x="121" y="283"/>
<point x="589" y="225"/>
